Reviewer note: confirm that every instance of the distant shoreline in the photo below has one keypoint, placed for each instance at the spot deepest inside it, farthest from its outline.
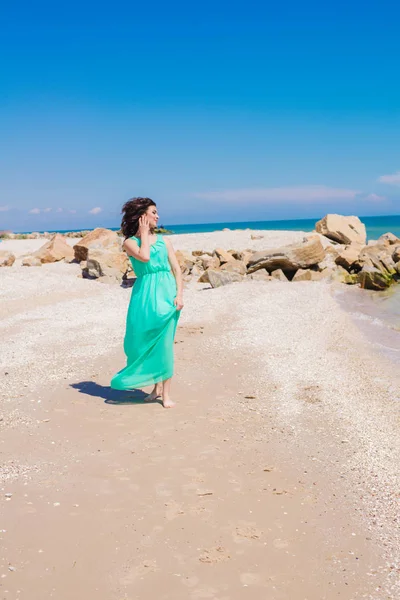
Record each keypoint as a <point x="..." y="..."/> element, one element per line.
<point x="376" y="226"/>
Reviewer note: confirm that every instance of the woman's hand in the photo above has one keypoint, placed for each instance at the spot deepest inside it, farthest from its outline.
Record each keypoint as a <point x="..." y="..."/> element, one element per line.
<point x="178" y="302"/>
<point x="144" y="226"/>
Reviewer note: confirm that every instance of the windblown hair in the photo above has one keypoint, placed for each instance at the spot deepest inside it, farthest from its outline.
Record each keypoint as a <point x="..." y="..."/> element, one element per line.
<point x="131" y="213"/>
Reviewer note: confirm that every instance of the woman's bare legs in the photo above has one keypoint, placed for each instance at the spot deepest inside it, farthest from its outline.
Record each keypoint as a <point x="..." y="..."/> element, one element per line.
<point x="156" y="393"/>
<point x="167" y="402"/>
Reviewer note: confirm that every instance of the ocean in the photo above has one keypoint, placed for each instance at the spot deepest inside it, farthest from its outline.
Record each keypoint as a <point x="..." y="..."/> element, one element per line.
<point x="376" y="226"/>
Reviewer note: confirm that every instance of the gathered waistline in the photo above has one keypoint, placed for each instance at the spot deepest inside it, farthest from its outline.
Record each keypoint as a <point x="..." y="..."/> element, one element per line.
<point x="155" y="272"/>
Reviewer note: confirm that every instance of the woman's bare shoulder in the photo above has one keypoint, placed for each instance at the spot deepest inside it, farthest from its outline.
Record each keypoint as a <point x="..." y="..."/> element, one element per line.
<point x="130" y="243"/>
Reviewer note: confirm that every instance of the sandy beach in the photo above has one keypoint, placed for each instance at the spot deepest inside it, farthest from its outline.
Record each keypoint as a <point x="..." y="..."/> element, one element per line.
<point x="276" y="476"/>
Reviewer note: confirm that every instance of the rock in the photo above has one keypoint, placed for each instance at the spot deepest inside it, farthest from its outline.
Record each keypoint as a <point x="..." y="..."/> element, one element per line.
<point x="204" y="277"/>
<point x="234" y="266"/>
<point x="371" y="278"/>
<point x="345" y="230"/>
<point x="100" y="238"/>
<point x="379" y="256"/>
<point x="340" y="275"/>
<point x="348" y="255"/>
<point x="388" y="239"/>
<point x="261" y="275"/>
<point x="288" y="258"/>
<point x="398" y="267"/>
<point x="31" y="261"/>
<point x="54" y="250"/>
<point x="226" y="229"/>
<point x="210" y="262"/>
<point x="7" y="258"/>
<point x="219" y="278"/>
<point x="327" y="273"/>
<point x="223" y="255"/>
<point x="185" y="260"/>
<point x="396" y="254"/>
<point x="279" y="275"/>
<point x="198" y="252"/>
<point x="197" y="271"/>
<point x="307" y="275"/>
<point x="326" y="242"/>
<point x="130" y="276"/>
<point x="243" y="255"/>
<point x="110" y="266"/>
<point x="256" y="237"/>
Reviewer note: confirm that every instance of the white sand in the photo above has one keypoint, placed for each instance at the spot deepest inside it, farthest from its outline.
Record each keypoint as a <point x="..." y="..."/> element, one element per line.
<point x="23" y="247"/>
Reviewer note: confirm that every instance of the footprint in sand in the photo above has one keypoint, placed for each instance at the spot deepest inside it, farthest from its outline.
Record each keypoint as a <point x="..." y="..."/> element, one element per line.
<point x="247" y="531"/>
<point x="214" y="555"/>
<point x="310" y="394"/>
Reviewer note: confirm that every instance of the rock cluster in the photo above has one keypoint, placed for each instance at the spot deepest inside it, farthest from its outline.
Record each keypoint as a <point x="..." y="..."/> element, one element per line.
<point x="337" y="251"/>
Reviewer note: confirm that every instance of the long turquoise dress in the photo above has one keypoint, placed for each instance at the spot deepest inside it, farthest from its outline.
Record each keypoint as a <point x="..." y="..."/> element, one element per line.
<point x="151" y="322"/>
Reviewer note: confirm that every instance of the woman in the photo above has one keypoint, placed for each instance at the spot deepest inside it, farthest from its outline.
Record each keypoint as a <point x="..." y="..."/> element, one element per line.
<point x="155" y="304"/>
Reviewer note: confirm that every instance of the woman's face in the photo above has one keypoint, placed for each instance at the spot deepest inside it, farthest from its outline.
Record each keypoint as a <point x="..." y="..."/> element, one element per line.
<point x="152" y="215"/>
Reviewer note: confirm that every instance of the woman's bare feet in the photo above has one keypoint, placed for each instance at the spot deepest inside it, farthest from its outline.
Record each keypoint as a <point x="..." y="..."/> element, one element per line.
<point x="167" y="403"/>
<point x="156" y="393"/>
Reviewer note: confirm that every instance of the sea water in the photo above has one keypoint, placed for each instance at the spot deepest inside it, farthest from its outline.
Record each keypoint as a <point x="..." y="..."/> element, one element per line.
<point x="377" y="314"/>
<point x="376" y="226"/>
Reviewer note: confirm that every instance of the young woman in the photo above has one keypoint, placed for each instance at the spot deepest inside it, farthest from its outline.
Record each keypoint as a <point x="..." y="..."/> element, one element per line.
<point x="155" y="304"/>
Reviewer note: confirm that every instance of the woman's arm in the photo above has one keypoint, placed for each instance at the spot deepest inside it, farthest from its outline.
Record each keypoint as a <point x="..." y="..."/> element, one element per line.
<point x="173" y="261"/>
<point x="141" y="252"/>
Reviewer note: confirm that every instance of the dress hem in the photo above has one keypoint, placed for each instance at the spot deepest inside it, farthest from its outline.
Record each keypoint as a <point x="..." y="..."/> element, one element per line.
<point x="143" y="383"/>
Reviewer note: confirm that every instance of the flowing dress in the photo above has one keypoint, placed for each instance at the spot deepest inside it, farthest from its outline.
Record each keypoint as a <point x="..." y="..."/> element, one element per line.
<point x="151" y="322"/>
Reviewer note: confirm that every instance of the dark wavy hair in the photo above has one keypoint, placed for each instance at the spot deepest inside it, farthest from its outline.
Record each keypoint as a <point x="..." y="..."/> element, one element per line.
<point x="131" y="213"/>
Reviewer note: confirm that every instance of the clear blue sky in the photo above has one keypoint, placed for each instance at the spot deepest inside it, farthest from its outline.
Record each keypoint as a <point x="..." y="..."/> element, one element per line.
<point x="219" y="111"/>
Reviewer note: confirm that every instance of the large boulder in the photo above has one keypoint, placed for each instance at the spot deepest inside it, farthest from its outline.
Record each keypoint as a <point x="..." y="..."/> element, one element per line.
<point x="388" y="239"/>
<point x="234" y="266"/>
<point x="223" y="255"/>
<point x="185" y="260"/>
<point x="54" y="250"/>
<point x="261" y="275"/>
<point x="219" y="278"/>
<point x="307" y="275"/>
<point x="279" y="275"/>
<point x="371" y="278"/>
<point x="101" y="239"/>
<point x="378" y="256"/>
<point x="7" y="258"/>
<point x="345" y="230"/>
<point x="243" y="255"/>
<point x="209" y="262"/>
<point x="108" y="265"/>
<point x="340" y="275"/>
<point x="31" y="261"/>
<point x="290" y="258"/>
<point x="348" y="255"/>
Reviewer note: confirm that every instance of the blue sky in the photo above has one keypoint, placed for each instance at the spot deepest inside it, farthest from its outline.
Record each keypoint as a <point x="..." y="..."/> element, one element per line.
<point x="220" y="111"/>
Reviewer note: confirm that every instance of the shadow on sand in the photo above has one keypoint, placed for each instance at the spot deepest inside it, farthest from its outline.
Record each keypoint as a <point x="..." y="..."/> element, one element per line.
<point x="110" y="396"/>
